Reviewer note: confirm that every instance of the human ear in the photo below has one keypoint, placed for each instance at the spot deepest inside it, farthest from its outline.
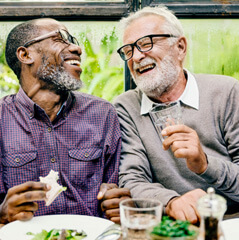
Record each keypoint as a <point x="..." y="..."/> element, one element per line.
<point x="24" y="56"/>
<point x="182" y="47"/>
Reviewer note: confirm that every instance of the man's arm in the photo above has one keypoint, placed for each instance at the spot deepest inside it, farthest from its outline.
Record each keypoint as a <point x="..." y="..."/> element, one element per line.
<point x="135" y="169"/>
<point x="135" y="173"/>
<point x="222" y="174"/>
<point x="110" y="195"/>
<point x="219" y="172"/>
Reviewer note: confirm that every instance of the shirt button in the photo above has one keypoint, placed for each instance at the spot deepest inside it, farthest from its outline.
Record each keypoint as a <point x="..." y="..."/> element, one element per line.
<point x="49" y="129"/>
<point x="31" y="115"/>
<point x="53" y="160"/>
<point x="86" y="154"/>
<point x="17" y="160"/>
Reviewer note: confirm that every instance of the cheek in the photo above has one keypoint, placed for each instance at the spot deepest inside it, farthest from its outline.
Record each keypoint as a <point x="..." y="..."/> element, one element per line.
<point x="130" y="65"/>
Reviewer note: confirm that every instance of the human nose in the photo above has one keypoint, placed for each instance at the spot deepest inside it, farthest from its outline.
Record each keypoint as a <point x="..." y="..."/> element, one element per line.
<point x="73" y="48"/>
<point x="137" y="55"/>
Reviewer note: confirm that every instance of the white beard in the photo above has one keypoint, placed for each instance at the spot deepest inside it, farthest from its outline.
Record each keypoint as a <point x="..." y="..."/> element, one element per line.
<point x="160" y="80"/>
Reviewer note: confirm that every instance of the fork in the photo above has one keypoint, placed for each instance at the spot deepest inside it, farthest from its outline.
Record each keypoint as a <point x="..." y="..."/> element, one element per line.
<point x="113" y="232"/>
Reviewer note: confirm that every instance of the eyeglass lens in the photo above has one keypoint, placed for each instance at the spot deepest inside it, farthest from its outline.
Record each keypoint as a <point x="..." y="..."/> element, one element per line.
<point x="67" y="37"/>
<point x="142" y="44"/>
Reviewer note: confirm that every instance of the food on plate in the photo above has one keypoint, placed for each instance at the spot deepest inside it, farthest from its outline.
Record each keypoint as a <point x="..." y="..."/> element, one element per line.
<point x="55" y="190"/>
<point x="58" y="234"/>
<point x="169" y="228"/>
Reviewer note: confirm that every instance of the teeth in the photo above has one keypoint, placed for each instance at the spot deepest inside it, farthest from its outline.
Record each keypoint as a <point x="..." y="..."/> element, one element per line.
<point x="73" y="62"/>
<point x="146" y="68"/>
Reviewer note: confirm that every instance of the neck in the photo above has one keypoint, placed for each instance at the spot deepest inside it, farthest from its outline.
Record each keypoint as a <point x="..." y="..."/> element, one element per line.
<point x="47" y="100"/>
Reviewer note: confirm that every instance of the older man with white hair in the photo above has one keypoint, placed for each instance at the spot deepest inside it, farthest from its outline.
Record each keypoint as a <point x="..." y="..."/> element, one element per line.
<point x="204" y="151"/>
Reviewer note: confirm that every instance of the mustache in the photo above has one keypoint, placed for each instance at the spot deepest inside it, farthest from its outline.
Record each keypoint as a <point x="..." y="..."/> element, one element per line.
<point x="56" y="78"/>
<point x="144" y="62"/>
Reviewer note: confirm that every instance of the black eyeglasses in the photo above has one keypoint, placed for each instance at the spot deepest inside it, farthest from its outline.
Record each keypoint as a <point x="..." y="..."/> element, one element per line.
<point x="64" y="35"/>
<point x="143" y="44"/>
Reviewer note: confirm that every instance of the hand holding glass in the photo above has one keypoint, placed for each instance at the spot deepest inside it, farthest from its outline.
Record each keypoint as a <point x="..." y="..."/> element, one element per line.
<point x="166" y="114"/>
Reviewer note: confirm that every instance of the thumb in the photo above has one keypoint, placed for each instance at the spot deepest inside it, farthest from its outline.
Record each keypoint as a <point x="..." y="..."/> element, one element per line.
<point x="103" y="190"/>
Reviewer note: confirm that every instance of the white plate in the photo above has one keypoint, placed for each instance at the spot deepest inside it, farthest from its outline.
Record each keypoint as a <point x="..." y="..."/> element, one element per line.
<point x="230" y="229"/>
<point x="17" y="230"/>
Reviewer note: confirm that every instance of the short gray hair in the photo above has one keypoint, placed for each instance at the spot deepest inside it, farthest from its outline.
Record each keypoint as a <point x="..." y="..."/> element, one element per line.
<point x="172" y="24"/>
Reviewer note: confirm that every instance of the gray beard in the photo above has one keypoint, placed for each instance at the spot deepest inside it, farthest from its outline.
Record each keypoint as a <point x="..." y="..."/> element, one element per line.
<point x="57" y="79"/>
<point x="157" y="83"/>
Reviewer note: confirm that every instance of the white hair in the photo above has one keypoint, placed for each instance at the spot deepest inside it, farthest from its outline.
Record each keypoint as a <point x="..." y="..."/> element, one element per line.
<point x="171" y="26"/>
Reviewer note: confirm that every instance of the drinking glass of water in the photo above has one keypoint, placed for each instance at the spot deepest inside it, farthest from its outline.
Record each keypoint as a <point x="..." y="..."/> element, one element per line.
<point x="166" y="114"/>
<point x="138" y="216"/>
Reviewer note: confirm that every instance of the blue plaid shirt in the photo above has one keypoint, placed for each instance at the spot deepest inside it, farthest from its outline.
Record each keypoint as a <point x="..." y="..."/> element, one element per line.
<point x="83" y="144"/>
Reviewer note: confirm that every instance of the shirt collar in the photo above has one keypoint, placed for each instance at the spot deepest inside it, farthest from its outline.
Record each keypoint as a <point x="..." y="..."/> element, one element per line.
<point x="189" y="97"/>
<point x="26" y="102"/>
<point x="31" y="107"/>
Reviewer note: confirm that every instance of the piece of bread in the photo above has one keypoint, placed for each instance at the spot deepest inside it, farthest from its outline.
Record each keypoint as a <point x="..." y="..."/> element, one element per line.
<point x="55" y="190"/>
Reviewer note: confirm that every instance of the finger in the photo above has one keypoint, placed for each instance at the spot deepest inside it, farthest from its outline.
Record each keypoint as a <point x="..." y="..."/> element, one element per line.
<point x="112" y="213"/>
<point x="191" y="215"/>
<point x="104" y="187"/>
<point x="117" y="193"/>
<point x="28" y="207"/>
<point x="28" y="186"/>
<point x="23" y="216"/>
<point x="179" y="128"/>
<point x="178" y="144"/>
<point x="181" y="139"/>
<point x="179" y="215"/>
<point x="110" y="204"/>
<point x="183" y="153"/>
<point x="115" y="219"/>
<point x="197" y="214"/>
<point x="27" y="197"/>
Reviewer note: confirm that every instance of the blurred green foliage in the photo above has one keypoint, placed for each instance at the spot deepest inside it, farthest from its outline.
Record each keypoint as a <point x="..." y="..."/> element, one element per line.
<point x="8" y="80"/>
<point x="101" y="78"/>
<point x="212" y="48"/>
<point x="214" y="52"/>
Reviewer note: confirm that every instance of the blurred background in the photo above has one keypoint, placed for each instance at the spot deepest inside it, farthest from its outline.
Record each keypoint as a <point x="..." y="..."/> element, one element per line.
<point x="212" y="30"/>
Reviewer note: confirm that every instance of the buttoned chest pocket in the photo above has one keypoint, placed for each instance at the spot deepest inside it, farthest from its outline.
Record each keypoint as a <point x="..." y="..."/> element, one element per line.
<point x="19" y="168"/>
<point x="86" y="167"/>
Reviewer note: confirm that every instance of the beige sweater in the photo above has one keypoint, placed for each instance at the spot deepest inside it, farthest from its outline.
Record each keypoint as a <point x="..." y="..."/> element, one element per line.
<point x="149" y="171"/>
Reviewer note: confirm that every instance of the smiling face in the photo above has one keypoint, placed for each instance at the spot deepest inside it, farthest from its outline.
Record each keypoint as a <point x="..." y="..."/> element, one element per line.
<point x="157" y="70"/>
<point x="56" y="62"/>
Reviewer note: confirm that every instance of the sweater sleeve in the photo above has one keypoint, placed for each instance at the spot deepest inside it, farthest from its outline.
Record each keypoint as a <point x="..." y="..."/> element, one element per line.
<point x="135" y="170"/>
<point x="222" y="174"/>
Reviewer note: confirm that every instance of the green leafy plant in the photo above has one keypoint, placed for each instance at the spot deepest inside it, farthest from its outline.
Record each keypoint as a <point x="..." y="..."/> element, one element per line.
<point x="173" y="228"/>
<point x="8" y="80"/>
<point x="56" y="234"/>
<point x="212" y="52"/>
<point x="101" y="78"/>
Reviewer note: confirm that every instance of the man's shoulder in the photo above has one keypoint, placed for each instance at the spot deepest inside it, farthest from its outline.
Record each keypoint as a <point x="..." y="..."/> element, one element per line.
<point x="216" y="80"/>
<point x="89" y="98"/>
<point x="212" y="87"/>
<point x="130" y="96"/>
<point x="7" y="100"/>
<point x="90" y="101"/>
